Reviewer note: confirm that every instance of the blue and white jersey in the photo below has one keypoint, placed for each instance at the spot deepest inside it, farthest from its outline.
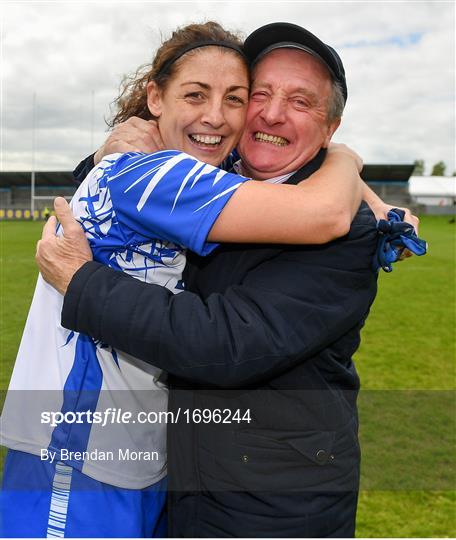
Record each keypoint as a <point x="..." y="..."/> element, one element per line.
<point x="138" y="212"/>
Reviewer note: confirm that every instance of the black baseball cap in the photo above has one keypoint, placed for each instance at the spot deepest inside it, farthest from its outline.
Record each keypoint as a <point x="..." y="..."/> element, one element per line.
<point x="282" y="35"/>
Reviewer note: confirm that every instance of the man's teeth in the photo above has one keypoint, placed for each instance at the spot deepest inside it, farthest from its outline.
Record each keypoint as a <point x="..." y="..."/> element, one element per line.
<point x="279" y="141"/>
<point x="207" y="139"/>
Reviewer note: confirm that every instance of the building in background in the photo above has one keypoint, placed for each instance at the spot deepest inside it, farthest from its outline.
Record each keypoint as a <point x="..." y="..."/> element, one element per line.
<point x="15" y="193"/>
<point x="436" y="193"/>
<point x="424" y="194"/>
<point x="390" y="182"/>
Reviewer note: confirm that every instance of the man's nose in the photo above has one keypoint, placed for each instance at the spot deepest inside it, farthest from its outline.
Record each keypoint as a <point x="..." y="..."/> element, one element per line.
<point x="213" y="114"/>
<point x="274" y="111"/>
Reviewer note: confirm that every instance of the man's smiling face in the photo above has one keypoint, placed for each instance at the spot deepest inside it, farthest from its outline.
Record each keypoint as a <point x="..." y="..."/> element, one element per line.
<point x="287" y="119"/>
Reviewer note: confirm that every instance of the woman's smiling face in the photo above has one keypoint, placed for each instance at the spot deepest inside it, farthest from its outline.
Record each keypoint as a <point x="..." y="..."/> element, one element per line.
<point x="203" y="107"/>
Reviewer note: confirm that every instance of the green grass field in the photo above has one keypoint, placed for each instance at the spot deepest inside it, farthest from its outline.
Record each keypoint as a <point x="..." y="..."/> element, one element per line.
<point x="406" y="364"/>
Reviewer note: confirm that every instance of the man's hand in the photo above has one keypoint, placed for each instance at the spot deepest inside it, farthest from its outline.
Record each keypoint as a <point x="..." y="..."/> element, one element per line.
<point x="59" y="257"/>
<point x="134" y="135"/>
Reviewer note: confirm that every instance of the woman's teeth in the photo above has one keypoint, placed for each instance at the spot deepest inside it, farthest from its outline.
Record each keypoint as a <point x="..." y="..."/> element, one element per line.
<point x="206" y="139"/>
<point x="264" y="137"/>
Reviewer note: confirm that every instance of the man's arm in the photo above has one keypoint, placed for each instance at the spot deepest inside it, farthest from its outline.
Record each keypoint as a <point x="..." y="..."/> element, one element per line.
<point x="381" y="209"/>
<point x="283" y="313"/>
<point x="138" y="135"/>
<point x="287" y="308"/>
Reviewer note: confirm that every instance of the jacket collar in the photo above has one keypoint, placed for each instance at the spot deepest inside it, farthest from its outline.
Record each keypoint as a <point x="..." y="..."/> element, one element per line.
<point x="304" y="172"/>
<point x="309" y="168"/>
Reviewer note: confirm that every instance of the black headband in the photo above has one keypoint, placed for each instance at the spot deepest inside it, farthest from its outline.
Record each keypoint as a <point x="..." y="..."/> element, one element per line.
<point x="197" y="45"/>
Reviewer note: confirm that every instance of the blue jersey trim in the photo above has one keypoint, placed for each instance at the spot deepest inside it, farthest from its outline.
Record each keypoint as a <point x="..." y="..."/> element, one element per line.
<point x="81" y="393"/>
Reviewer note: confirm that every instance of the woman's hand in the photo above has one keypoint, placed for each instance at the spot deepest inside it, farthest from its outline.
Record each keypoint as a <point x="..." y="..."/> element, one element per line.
<point x="134" y="135"/>
<point x="60" y="257"/>
<point x="381" y="209"/>
<point x="335" y="148"/>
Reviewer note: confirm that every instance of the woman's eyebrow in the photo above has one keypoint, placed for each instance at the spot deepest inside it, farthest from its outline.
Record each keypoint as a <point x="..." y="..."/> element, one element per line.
<point x="208" y="86"/>
<point x="238" y="87"/>
<point x="203" y="85"/>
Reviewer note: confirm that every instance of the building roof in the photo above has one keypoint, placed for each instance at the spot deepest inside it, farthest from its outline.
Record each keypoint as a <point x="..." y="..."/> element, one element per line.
<point x="387" y="173"/>
<point x="428" y="186"/>
<point x="42" y="179"/>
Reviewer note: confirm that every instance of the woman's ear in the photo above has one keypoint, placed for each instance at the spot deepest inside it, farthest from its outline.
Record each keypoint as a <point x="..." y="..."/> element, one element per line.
<point x="154" y="99"/>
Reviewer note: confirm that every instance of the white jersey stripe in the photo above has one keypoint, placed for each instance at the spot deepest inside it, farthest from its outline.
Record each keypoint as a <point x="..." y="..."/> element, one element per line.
<point x="218" y="177"/>
<point x="59" y="501"/>
<point x="139" y="163"/>
<point x="193" y="171"/>
<point x="156" y="179"/>
<point x="207" y="169"/>
<point x="222" y="194"/>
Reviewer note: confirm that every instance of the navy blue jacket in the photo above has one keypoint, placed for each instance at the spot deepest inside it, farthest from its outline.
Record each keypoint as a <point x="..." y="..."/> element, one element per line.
<point x="265" y="329"/>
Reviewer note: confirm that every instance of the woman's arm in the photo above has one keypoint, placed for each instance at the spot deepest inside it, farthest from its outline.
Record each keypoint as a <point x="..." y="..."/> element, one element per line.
<point x="315" y="211"/>
<point x="381" y="209"/>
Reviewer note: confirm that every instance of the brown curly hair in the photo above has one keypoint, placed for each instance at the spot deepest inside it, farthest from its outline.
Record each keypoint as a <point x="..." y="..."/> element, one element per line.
<point x="132" y="100"/>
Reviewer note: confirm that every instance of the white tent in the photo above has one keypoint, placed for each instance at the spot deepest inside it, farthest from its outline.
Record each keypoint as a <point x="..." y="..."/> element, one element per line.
<point x="433" y="190"/>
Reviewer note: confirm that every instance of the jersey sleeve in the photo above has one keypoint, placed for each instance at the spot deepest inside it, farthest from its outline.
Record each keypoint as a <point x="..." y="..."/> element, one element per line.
<point x="170" y="195"/>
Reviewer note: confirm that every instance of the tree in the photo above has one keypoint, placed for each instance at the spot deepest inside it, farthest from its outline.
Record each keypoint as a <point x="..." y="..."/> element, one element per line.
<point x="419" y="167"/>
<point x="438" y="169"/>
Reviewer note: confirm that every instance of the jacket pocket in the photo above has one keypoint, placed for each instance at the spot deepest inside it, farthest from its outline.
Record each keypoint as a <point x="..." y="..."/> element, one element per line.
<point x="277" y="461"/>
<point x="313" y="447"/>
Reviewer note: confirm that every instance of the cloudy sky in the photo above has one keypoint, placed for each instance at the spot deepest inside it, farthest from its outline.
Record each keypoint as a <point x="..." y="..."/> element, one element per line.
<point x="399" y="59"/>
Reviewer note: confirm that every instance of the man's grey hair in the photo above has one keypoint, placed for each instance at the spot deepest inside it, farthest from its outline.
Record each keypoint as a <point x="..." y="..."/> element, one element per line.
<point x="336" y="102"/>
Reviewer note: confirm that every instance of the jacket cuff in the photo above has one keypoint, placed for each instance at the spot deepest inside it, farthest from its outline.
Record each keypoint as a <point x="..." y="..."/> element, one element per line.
<point x="75" y="291"/>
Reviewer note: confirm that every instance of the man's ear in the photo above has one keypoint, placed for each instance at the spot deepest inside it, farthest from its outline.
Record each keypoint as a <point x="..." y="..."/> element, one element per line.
<point x="331" y="129"/>
<point x="154" y="102"/>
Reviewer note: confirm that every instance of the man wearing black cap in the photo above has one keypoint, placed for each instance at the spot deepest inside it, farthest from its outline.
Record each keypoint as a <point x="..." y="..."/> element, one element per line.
<point x="298" y="94"/>
<point x="279" y="325"/>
